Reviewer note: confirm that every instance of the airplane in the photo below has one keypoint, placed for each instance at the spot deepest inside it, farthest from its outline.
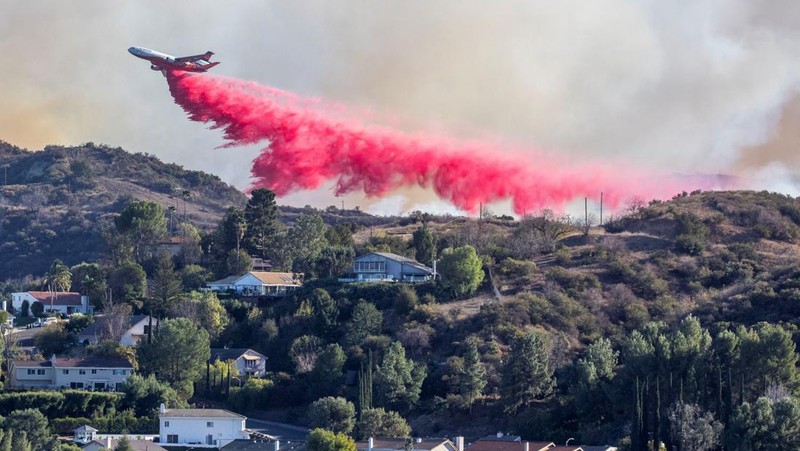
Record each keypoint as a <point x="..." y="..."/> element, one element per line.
<point x="164" y="62"/>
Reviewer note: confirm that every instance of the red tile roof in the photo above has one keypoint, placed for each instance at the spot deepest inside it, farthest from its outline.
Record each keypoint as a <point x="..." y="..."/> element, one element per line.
<point x="66" y="298"/>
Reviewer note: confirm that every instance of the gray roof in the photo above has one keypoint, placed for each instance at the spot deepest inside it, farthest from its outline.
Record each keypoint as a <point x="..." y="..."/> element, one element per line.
<point x="91" y="329"/>
<point x="399" y="258"/>
<point x="84" y="428"/>
<point x="200" y="413"/>
<point x="230" y="353"/>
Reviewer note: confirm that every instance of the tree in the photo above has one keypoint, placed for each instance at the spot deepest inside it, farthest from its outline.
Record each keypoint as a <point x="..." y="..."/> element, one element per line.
<point x="205" y="310"/>
<point x="166" y="285"/>
<point x="325" y="314"/>
<point x="143" y="224"/>
<point x="366" y="320"/>
<point x="306" y="240"/>
<point x="194" y="277"/>
<point x="380" y="423"/>
<point x="304" y="353"/>
<point x="692" y="429"/>
<point x="334" y="261"/>
<point x="238" y="263"/>
<point x="53" y="339"/>
<point x="59" y="278"/>
<point x="30" y="425"/>
<point x="89" y="279"/>
<point x="261" y="214"/>
<point x="146" y="394"/>
<point x="768" y="424"/>
<point x="113" y="324"/>
<point x="461" y="270"/>
<point x="473" y="379"/>
<point x="124" y="444"/>
<point x="399" y="380"/>
<point x="527" y="376"/>
<point x="424" y="245"/>
<point x="177" y="353"/>
<point x="327" y="376"/>
<point x="334" y="414"/>
<point x="128" y="282"/>
<point x="322" y="440"/>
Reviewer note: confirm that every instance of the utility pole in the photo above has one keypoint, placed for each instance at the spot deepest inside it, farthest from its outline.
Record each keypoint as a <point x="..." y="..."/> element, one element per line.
<point x="5" y="174"/>
<point x="586" y="213"/>
<point x="342" y="204"/>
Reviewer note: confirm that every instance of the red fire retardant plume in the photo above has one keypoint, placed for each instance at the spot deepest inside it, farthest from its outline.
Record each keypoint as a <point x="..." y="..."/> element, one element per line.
<point x="309" y="145"/>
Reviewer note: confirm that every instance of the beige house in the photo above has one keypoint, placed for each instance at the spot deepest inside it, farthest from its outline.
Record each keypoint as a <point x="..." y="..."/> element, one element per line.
<point x="249" y="363"/>
<point x="89" y="373"/>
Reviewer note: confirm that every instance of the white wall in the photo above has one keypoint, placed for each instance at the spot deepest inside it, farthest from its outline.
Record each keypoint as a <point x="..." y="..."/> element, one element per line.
<point x="195" y="429"/>
<point x="134" y="334"/>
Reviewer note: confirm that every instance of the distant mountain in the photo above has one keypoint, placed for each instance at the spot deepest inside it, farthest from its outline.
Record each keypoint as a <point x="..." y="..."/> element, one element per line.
<point x="54" y="201"/>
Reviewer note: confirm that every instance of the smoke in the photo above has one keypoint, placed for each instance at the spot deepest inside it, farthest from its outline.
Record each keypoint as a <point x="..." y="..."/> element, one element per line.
<point x="311" y="143"/>
<point x="678" y="86"/>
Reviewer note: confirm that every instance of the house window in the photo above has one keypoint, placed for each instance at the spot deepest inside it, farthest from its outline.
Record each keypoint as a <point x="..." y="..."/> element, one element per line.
<point x="166" y="424"/>
<point x="81" y="371"/>
<point x="65" y="371"/>
<point x="94" y="371"/>
<point x="76" y="385"/>
<point x="118" y="372"/>
<point x="172" y="438"/>
<point x="251" y="363"/>
<point x="40" y="372"/>
<point x="209" y="439"/>
<point x="147" y="329"/>
<point x="99" y="385"/>
<point x="209" y="424"/>
<point x="31" y="372"/>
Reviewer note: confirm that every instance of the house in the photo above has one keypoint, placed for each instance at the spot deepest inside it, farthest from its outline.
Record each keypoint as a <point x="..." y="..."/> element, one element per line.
<point x="65" y="303"/>
<point x="598" y="448"/>
<point x="258" y="283"/>
<point x="215" y="427"/>
<point x="84" y="434"/>
<point x="249" y="363"/>
<point x="138" y="327"/>
<point x="388" y="267"/>
<point x="397" y="444"/>
<point x="510" y="445"/>
<point x="90" y="373"/>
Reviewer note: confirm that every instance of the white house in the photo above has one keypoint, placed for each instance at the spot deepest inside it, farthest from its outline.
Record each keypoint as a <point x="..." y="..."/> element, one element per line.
<point x="258" y="283"/>
<point x="249" y="363"/>
<point x="84" y="434"/>
<point x="138" y="327"/>
<point x="65" y="303"/>
<point x="388" y="267"/>
<point x="213" y="428"/>
<point x="90" y="373"/>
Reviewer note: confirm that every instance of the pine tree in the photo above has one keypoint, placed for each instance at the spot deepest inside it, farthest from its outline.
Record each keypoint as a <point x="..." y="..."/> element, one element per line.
<point x="527" y="375"/>
<point x="474" y="378"/>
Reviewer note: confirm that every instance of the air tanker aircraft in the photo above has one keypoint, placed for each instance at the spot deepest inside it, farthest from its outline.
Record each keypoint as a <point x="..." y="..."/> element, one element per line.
<point x="163" y="62"/>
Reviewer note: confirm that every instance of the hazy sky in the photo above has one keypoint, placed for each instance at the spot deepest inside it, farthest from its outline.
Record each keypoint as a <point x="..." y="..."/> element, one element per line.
<point x="680" y="86"/>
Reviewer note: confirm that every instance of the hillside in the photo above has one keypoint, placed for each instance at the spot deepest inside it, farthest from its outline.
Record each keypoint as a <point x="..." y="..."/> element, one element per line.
<point x="55" y="201"/>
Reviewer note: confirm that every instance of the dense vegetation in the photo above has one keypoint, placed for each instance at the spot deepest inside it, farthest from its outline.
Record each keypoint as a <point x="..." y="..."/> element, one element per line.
<point x="676" y="322"/>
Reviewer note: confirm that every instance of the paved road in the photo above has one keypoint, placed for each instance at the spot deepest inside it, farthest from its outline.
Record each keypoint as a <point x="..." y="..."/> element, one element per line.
<point x="281" y="430"/>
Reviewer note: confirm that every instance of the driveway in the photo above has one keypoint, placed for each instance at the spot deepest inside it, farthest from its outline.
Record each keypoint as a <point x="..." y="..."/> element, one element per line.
<point x="282" y="431"/>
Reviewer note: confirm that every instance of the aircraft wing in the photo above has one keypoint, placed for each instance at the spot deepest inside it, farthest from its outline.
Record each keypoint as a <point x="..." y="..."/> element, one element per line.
<point x="205" y="57"/>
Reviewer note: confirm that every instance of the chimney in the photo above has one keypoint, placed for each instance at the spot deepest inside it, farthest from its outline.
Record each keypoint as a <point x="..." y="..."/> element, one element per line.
<point x="370" y="444"/>
<point x="108" y="442"/>
<point x="499" y="435"/>
<point x="419" y="439"/>
<point x="162" y="408"/>
<point x="85" y="304"/>
<point x="5" y="305"/>
<point x="460" y="443"/>
<point x="277" y="445"/>
<point x="53" y="360"/>
<point x="527" y="446"/>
